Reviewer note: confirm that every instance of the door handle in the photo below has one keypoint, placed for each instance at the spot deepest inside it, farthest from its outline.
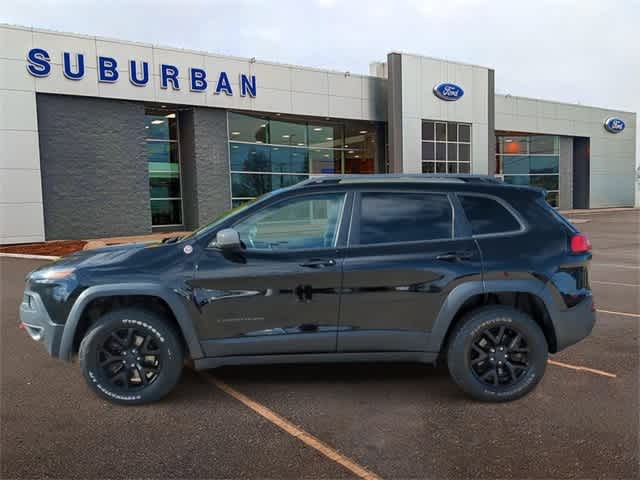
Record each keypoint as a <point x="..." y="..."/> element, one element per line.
<point x="455" y="256"/>
<point x="318" y="263"/>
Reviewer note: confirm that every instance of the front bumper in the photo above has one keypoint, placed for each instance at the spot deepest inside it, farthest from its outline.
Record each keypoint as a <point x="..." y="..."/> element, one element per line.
<point x="574" y="324"/>
<point x="38" y="324"/>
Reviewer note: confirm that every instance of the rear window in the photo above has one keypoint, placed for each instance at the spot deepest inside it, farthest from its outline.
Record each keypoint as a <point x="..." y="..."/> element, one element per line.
<point x="487" y="215"/>
<point x="391" y="217"/>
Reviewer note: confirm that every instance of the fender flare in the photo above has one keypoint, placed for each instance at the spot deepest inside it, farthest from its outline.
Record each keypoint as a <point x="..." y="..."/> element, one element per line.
<point x="464" y="291"/>
<point x="172" y="299"/>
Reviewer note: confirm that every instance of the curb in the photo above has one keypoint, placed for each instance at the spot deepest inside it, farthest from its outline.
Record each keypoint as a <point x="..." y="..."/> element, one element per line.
<point x="28" y="256"/>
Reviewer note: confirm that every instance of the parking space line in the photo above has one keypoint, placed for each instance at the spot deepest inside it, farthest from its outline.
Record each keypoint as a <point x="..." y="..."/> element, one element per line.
<point x="615" y="265"/>
<point x="583" y="369"/>
<point x="292" y="430"/>
<point x="619" y="284"/>
<point x="624" y="314"/>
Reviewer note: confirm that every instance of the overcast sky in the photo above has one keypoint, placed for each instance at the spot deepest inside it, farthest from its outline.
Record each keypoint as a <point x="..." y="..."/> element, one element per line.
<point x="583" y="51"/>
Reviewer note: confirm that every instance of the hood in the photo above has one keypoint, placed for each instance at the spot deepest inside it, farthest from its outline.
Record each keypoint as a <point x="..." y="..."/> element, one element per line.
<point x="102" y="257"/>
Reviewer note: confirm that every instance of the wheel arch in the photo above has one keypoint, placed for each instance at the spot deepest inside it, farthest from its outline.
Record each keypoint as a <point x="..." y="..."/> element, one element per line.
<point x="172" y="301"/>
<point x="471" y="295"/>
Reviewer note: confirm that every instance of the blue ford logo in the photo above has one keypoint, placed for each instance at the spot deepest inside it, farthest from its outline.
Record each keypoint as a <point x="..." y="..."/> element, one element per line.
<point x="614" y="125"/>
<point x="448" y="91"/>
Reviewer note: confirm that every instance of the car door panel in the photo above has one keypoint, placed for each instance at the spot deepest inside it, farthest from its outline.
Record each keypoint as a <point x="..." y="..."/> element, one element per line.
<point x="393" y="294"/>
<point x="276" y="296"/>
<point x="406" y="252"/>
<point x="257" y="304"/>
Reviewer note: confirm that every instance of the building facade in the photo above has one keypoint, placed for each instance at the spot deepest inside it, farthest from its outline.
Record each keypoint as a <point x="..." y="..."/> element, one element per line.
<point x="103" y="137"/>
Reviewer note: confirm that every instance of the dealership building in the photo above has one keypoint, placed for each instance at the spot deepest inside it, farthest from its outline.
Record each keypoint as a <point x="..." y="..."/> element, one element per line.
<point x="102" y="137"/>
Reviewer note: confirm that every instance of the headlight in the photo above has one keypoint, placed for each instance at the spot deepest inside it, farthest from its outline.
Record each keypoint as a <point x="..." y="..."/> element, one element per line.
<point x="54" y="274"/>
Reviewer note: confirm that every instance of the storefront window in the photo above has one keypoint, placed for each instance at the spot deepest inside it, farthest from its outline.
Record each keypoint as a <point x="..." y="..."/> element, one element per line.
<point x="163" y="158"/>
<point x="270" y="152"/>
<point x="446" y="147"/>
<point x="530" y="160"/>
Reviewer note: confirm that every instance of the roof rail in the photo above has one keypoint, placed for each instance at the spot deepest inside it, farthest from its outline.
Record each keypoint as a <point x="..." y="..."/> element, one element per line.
<point x="402" y="177"/>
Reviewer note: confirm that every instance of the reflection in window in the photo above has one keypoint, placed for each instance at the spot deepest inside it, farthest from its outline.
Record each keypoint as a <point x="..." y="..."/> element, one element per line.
<point x="260" y="146"/>
<point x="391" y="217"/>
<point x="163" y="157"/>
<point x="302" y="223"/>
<point x="531" y="160"/>
<point x="446" y="147"/>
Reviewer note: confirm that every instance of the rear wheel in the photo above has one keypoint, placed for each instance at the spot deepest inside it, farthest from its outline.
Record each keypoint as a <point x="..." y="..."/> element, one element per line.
<point x="497" y="354"/>
<point x="131" y="356"/>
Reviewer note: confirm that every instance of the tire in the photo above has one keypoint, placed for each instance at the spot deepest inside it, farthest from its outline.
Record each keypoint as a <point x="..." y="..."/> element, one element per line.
<point x="124" y="369"/>
<point x="515" y="371"/>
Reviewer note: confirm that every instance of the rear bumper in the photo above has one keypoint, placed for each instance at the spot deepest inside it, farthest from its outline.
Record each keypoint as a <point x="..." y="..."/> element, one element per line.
<point x="574" y="324"/>
<point x="38" y="324"/>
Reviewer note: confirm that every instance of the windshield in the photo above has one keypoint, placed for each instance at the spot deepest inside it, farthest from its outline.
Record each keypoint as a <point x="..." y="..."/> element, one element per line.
<point x="228" y="214"/>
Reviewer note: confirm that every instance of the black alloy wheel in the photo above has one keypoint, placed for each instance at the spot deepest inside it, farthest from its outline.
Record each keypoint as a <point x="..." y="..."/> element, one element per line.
<point x="497" y="353"/>
<point x="129" y="358"/>
<point x="132" y="356"/>
<point x="499" y="356"/>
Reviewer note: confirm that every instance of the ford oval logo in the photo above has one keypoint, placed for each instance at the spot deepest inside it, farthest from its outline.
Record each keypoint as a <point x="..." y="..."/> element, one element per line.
<point x="448" y="91"/>
<point x="614" y="125"/>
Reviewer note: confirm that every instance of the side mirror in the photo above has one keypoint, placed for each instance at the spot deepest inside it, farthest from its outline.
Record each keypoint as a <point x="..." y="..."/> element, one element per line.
<point x="228" y="239"/>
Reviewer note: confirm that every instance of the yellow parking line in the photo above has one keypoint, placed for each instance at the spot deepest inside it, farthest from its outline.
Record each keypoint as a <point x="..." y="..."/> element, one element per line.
<point x="294" y="431"/>
<point x="624" y="314"/>
<point x="583" y="369"/>
<point x="635" y="285"/>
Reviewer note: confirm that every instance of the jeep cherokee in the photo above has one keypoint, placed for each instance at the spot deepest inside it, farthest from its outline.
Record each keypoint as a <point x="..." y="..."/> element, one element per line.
<point x="483" y="276"/>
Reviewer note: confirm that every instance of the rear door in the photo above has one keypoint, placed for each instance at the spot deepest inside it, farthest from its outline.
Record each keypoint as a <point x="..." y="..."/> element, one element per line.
<point x="406" y="253"/>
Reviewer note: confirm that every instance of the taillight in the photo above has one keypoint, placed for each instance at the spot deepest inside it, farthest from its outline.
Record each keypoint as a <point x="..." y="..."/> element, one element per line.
<point x="580" y="243"/>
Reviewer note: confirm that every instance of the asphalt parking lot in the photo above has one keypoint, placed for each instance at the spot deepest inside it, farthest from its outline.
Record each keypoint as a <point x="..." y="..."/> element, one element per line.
<point x="340" y="421"/>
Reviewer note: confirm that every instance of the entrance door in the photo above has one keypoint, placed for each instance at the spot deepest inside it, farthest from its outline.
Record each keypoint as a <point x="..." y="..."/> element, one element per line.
<point x="281" y="293"/>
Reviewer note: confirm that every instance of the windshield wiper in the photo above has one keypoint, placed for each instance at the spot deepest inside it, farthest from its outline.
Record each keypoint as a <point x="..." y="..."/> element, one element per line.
<point x="171" y="239"/>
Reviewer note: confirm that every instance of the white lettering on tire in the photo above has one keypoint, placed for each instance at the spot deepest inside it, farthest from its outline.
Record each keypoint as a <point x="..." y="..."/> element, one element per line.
<point x="145" y="325"/>
<point x="111" y="394"/>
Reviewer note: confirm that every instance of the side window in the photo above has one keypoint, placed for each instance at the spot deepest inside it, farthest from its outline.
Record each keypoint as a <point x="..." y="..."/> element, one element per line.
<point x="404" y="217"/>
<point x="487" y="215"/>
<point x="300" y="223"/>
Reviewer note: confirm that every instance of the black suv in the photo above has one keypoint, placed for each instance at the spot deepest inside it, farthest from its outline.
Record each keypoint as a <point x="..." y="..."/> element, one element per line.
<point x="484" y="276"/>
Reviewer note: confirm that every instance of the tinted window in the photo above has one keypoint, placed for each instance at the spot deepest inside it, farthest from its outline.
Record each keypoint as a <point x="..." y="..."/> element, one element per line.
<point x="404" y="217"/>
<point x="487" y="215"/>
<point x="301" y="223"/>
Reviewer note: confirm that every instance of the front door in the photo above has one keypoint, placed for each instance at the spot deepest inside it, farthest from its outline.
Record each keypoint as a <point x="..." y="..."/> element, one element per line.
<point x="281" y="293"/>
<point x="403" y="259"/>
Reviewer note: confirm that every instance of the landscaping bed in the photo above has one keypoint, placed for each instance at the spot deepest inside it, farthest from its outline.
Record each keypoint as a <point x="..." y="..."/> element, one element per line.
<point x="55" y="248"/>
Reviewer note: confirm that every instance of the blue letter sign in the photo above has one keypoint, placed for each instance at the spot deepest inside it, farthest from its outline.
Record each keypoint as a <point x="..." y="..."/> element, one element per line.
<point x="133" y="73"/>
<point x="198" y="82"/>
<point x="39" y="65"/>
<point x="247" y="85"/>
<point x="169" y="73"/>
<point x="107" y="70"/>
<point x="73" y="65"/>
<point x="68" y="71"/>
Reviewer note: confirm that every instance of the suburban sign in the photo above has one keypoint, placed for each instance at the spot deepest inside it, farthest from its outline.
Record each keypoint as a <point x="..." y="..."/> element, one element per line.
<point x="108" y="71"/>
<point x="448" y="91"/>
<point x="614" y="125"/>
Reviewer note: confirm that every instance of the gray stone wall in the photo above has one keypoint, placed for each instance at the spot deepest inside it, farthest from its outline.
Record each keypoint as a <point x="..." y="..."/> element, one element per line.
<point x="566" y="173"/>
<point x="205" y="157"/>
<point x="95" y="180"/>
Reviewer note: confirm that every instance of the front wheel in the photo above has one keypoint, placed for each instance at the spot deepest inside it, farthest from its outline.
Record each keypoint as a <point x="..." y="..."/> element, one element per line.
<point x="497" y="354"/>
<point x="131" y="356"/>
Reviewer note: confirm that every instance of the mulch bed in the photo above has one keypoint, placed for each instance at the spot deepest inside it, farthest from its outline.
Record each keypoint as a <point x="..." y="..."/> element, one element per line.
<point x="56" y="248"/>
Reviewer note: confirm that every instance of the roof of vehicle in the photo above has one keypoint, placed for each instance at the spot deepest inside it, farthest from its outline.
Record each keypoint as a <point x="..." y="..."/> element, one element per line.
<point x="464" y="182"/>
<point x="398" y="178"/>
